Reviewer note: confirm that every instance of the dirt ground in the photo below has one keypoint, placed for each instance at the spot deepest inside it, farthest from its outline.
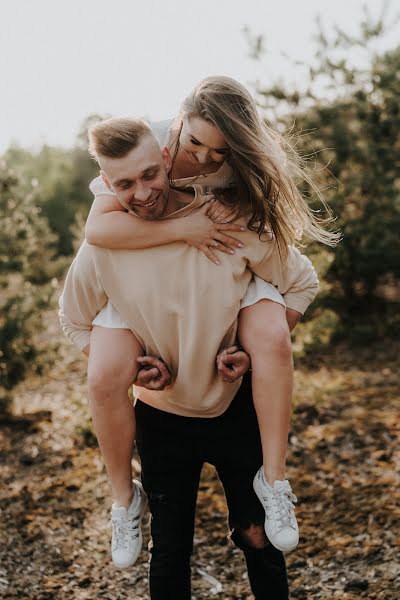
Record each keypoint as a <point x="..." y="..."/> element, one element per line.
<point x="54" y="497"/>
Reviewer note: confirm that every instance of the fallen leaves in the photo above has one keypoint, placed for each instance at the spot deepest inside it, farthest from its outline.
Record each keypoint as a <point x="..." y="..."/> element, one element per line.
<point x="55" y="501"/>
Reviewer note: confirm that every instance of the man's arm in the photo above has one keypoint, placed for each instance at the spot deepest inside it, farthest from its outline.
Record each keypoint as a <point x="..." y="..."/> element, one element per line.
<point x="82" y="299"/>
<point x="292" y="318"/>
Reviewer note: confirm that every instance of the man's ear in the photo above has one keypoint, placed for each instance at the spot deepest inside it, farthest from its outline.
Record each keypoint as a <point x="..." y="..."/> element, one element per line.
<point x="104" y="178"/>
<point x="166" y="154"/>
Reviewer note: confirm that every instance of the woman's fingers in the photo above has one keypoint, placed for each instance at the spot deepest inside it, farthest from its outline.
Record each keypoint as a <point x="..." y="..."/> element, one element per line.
<point x="225" y="215"/>
<point x="229" y="227"/>
<point x="222" y="247"/>
<point x="228" y="240"/>
<point x="218" y="212"/>
<point x="210" y="255"/>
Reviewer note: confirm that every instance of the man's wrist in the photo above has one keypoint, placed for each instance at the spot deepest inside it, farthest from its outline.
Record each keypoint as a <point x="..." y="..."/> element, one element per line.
<point x="292" y="317"/>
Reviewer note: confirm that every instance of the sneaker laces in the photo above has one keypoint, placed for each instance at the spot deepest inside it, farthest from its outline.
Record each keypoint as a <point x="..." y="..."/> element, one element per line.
<point x="124" y="529"/>
<point x="283" y="501"/>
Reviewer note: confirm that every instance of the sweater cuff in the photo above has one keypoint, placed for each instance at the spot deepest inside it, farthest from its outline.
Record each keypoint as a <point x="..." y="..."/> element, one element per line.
<point x="296" y="302"/>
<point x="81" y="340"/>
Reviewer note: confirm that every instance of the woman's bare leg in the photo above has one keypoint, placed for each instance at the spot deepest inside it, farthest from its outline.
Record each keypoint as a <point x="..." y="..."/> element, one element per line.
<point x="112" y="369"/>
<point x="264" y="334"/>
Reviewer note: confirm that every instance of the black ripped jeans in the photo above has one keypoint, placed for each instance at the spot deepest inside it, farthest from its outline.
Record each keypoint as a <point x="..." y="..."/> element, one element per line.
<point x="172" y="450"/>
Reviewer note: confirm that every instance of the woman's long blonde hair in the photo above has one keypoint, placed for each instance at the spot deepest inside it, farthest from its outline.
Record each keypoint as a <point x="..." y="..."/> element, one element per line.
<point x="264" y="164"/>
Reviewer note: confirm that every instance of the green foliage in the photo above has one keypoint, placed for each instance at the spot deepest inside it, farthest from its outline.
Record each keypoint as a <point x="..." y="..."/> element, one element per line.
<point x="348" y="119"/>
<point x="27" y="267"/>
<point x="61" y="177"/>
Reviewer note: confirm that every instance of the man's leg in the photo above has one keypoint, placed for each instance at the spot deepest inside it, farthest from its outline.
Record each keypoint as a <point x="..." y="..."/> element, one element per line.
<point x="170" y="475"/>
<point x="237" y="456"/>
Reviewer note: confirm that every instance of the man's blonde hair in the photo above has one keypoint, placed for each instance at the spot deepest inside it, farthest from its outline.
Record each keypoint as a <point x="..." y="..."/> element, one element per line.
<point x="116" y="137"/>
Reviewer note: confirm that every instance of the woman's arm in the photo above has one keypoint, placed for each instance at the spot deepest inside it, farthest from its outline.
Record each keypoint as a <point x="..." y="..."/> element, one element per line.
<point x="296" y="279"/>
<point x="109" y="226"/>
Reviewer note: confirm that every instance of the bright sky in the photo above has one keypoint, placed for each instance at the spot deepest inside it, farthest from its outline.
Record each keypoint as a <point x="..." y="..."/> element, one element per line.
<point x="63" y="60"/>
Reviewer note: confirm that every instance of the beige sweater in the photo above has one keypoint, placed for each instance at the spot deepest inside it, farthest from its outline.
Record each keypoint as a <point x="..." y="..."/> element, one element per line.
<point x="181" y="306"/>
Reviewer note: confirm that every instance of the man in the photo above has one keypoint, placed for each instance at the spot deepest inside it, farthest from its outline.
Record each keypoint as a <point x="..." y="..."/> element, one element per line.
<point x="183" y="309"/>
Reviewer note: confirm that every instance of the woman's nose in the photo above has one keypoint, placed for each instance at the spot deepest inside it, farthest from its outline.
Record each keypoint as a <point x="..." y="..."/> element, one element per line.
<point x="202" y="156"/>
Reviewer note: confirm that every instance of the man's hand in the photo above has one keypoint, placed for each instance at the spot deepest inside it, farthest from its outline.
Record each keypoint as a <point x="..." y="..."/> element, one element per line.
<point x="292" y="317"/>
<point x="153" y="373"/>
<point x="232" y="363"/>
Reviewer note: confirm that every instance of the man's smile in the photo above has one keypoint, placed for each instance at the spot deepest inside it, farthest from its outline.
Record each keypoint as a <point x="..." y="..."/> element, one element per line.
<point x="148" y="204"/>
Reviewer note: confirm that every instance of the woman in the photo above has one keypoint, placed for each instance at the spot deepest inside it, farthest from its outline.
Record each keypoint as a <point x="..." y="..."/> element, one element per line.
<point x="219" y="141"/>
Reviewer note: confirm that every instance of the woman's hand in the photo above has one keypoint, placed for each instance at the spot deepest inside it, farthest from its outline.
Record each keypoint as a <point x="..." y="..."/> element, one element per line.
<point x="198" y="230"/>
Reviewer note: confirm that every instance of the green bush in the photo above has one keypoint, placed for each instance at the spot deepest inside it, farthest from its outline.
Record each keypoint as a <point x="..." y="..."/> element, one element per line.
<point x="27" y="266"/>
<point x="347" y="119"/>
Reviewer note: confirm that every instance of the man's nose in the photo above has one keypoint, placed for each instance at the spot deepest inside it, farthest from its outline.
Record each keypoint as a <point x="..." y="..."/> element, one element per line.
<point x="142" y="193"/>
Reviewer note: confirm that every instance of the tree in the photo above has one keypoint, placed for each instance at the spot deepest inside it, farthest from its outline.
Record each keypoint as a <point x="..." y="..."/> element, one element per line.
<point x="348" y="118"/>
<point x="27" y="265"/>
<point x="61" y="177"/>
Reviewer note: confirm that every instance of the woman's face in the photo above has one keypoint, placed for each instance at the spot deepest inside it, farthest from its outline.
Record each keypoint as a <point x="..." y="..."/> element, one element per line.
<point x="202" y="142"/>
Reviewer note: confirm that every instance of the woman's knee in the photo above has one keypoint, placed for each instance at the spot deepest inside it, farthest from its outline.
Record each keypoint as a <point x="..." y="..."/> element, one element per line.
<point x="112" y="365"/>
<point x="265" y="330"/>
<point x="105" y="379"/>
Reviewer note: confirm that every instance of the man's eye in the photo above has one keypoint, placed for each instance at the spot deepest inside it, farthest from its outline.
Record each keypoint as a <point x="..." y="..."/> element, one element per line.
<point x="126" y="186"/>
<point x="149" y="176"/>
<point x="195" y="142"/>
<point x="221" y="152"/>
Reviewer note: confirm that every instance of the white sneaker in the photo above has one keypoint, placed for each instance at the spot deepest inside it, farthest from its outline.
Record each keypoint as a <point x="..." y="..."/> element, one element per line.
<point x="280" y="523"/>
<point x="126" y="540"/>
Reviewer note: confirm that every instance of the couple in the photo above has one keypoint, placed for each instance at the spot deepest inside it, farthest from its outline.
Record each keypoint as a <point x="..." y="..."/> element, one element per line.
<point x="148" y="290"/>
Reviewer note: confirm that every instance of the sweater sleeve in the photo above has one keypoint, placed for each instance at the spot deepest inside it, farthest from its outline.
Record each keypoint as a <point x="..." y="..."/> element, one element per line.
<point x="82" y="298"/>
<point x="296" y="280"/>
<point x="99" y="188"/>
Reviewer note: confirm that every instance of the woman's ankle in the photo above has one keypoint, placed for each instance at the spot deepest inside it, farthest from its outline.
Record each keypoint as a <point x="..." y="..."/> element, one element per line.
<point x="124" y="498"/>
<point x="274" y="474"/>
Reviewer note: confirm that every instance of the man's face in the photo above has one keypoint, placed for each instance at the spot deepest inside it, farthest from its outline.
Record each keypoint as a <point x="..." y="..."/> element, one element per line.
<point x="140" y="179"/>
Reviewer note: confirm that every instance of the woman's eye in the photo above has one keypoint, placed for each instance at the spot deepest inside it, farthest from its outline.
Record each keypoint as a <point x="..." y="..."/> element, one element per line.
<point x="221" y="152"/>
<point x="195" y="142"/>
